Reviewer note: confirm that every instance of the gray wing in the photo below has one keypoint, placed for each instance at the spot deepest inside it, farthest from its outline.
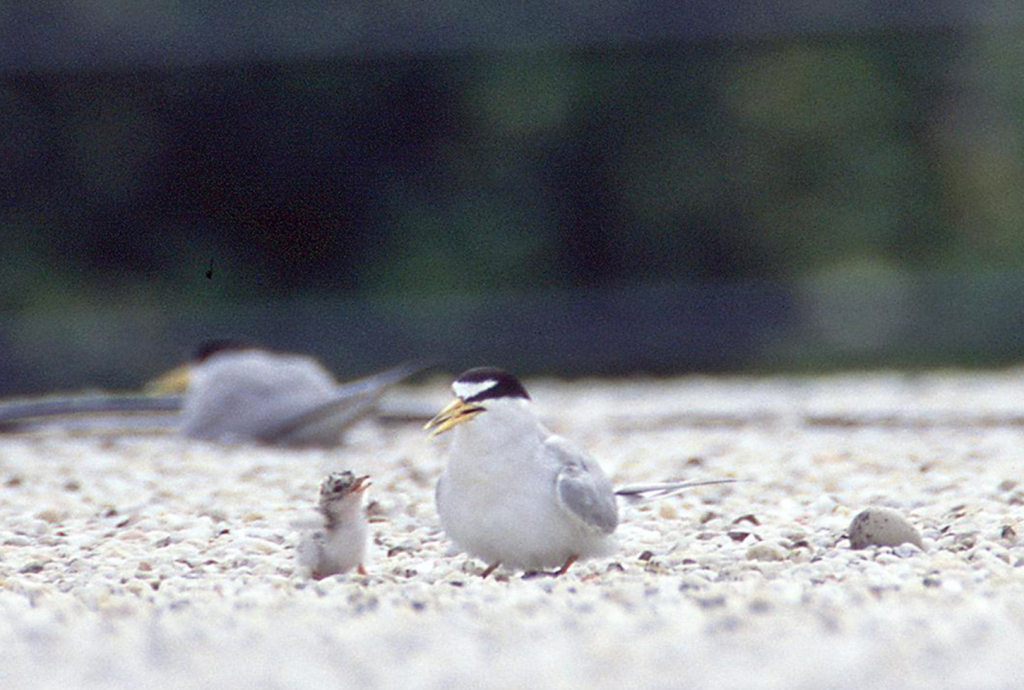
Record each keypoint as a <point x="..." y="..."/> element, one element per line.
<point x="351" y="402"/>
<point x="437" y="494"/>
<point x="102" y="413"/>
<point x="321" y="425"/>
<point x="582" y="488"/>
<point x="278" y="399"/>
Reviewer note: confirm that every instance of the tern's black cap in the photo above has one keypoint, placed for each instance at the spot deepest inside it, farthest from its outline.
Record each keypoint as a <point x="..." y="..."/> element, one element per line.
<point x="337" y="483"/>
<point x="488" y="383"/>
<point x="208" y="348"/>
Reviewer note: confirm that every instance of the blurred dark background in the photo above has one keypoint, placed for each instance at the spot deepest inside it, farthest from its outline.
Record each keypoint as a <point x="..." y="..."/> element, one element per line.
<point x="685" y="186"/>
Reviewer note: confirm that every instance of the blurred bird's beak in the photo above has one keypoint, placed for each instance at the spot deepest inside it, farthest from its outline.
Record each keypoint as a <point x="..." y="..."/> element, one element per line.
<point x="456" y="413"/>
<point x="361" y="484"/>
<point x="172" y="382"/>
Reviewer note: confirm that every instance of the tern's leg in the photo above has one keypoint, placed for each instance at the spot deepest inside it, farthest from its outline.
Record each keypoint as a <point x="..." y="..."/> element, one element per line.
<point x="361" y="569"/>
<point x="490" y="569"/>
<point x="565" y="566"/>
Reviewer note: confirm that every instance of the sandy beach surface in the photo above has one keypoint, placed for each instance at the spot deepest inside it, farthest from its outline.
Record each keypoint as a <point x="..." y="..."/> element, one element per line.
<point x="155" y="562"/>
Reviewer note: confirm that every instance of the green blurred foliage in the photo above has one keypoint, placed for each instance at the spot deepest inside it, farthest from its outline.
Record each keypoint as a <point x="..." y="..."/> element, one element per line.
<point x="836" y="163"/>
<point x="496" y="171"/>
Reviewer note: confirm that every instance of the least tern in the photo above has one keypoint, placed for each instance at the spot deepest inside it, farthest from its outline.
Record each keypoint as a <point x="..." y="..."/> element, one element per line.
<point x="339" y="542"/>
<point x="177" y="380"/>
<point x="276" y="398"/>
<point x="513" y="493"/>
<point x="231" y="391"/>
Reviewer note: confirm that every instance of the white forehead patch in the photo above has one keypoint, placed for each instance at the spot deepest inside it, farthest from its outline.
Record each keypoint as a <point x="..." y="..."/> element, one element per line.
<point x="467" y="390"/>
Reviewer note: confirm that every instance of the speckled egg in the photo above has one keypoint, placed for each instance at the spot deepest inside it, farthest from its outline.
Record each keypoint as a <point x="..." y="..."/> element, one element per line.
<point x="882" y="527"/>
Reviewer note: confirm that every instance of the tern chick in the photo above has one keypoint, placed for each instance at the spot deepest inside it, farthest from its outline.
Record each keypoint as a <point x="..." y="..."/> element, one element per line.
<point x="339" y="543"/>
<point x="514" y="494"/>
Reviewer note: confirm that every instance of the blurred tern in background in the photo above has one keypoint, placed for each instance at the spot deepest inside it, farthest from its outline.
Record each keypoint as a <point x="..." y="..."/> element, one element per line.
<point x="231" y="392"/>
<point x="249" y="394"/>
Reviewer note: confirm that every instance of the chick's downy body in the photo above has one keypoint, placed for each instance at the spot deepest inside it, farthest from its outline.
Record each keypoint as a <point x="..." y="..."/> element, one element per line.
<point x="339" y="543"/>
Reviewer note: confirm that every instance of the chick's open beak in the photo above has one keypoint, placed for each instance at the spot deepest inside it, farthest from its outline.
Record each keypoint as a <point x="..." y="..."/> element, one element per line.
<point x="456" y="413"/>
<point x="361" y="484"/>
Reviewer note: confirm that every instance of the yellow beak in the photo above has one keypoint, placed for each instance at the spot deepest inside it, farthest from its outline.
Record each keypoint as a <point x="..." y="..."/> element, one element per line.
<point x="174" y="381"/>
<point x="456" y="413"/>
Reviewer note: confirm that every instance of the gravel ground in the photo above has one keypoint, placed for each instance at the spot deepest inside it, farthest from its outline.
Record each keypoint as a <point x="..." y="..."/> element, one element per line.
<point x="155" y="562"/>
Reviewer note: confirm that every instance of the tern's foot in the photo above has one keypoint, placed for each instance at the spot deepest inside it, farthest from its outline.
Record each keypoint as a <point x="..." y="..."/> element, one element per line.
<point x="361" y="569"/>
<point x="533" y="574"/>
<point x="565" y="566"/>
<point x="490" y="569"/>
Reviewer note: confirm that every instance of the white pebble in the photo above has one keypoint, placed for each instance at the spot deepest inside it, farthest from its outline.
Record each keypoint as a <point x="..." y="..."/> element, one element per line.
<point x="766" y="551"/>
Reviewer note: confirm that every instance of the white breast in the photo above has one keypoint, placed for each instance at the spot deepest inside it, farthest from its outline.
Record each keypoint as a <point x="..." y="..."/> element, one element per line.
<point x="322" y="553"/>
<point x="496" y="498"/>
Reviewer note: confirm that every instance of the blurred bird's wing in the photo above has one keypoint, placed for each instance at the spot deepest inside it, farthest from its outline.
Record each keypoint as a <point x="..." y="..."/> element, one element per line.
<point x="110" y="412"/>
<point x="375" y="384"/>
<point x="221" y="407"/>
<point x="352" y="402"/>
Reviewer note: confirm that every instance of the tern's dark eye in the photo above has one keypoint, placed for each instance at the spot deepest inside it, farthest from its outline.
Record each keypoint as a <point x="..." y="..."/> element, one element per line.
<point x="337" y="483"/>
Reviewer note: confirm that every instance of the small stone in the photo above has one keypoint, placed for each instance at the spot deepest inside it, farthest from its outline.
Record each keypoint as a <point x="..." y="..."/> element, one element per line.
<point x="957" y="512"/>
<point x="882" y="527"/>
<point x="964" y="542"/>
<point x="907" y="550"/>
<point x="49" y="515"/>
<point x="689" y="582"/>
<point x="765" y="551"/>
<point x="667" y="511"/>
<point x="759" y="606"/>
<point x="712" y="602"/>
<point x="708" y="517"/>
